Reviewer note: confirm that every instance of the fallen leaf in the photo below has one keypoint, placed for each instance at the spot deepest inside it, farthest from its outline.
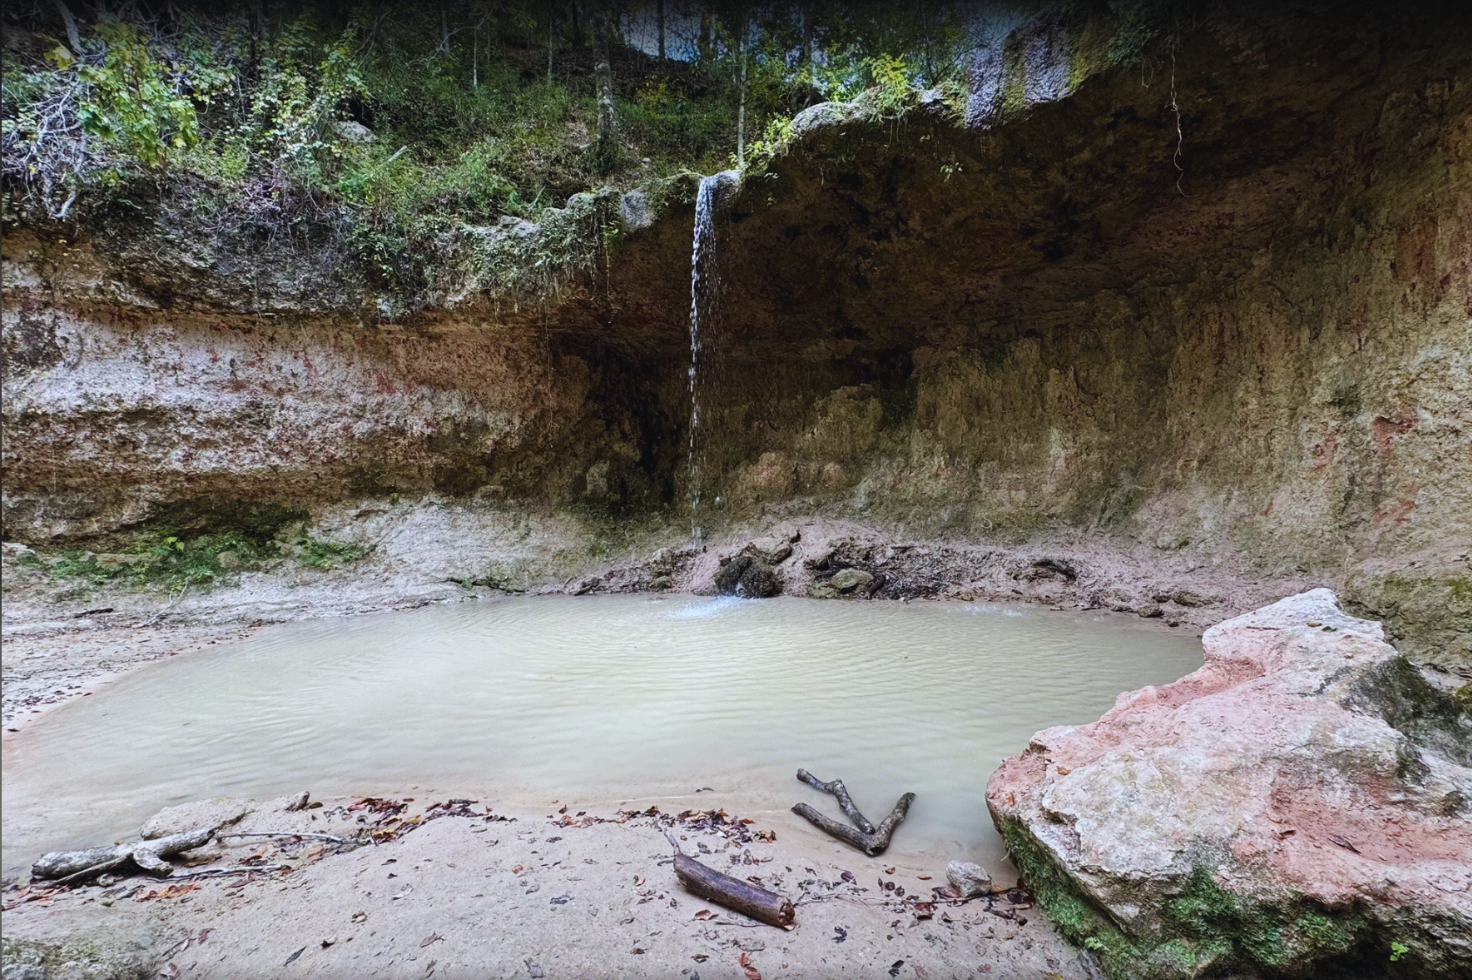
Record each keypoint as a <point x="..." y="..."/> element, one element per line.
<point x="704" y="914"/>
<point x="203" y="935"/>
<point x="516" y="870"/>
<point x="923" y="877"/>
<point x="700" y="957"/>
<point x="846" y="876"/>
<point x="924" y="911"/>
<point x="170" y="970"/>
<point x="1338" y="841"/>
<point x="752" y="973"/>
<point x="894" y="969"/>
<point x="293" y="956"/>
<point x="433" y="937"/>
<point x="533" y="969"/>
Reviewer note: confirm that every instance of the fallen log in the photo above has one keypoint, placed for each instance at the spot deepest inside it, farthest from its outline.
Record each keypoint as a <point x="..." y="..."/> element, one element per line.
<point x="70" y="867"/>
<point x="732" y="893"/>
<point x="872" y="840"/>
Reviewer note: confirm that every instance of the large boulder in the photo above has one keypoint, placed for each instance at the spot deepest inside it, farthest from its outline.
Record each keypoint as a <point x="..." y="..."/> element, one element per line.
<point x="1302" y="798"/>
<point x="748" y="577"/>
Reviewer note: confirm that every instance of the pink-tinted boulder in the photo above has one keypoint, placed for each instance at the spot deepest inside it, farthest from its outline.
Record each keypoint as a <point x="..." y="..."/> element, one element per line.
<point x="1299" y="804"/>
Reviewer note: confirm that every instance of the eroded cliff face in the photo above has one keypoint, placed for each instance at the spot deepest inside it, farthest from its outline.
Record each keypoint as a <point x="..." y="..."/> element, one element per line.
<point x="1037" y="330"/>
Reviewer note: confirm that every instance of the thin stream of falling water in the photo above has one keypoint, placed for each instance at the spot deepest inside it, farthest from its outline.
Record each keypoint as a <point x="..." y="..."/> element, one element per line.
<point x="704" y="286"/>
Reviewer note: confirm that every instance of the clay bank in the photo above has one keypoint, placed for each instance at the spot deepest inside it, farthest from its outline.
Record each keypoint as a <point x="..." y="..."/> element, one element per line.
<point x="1179" y="340"/>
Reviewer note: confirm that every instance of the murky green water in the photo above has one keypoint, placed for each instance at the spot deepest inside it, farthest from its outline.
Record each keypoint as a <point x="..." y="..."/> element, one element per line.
<point x="597" y="700"/>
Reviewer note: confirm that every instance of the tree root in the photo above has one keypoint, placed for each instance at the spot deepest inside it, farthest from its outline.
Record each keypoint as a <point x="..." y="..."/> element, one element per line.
<point x="863" y="835"/>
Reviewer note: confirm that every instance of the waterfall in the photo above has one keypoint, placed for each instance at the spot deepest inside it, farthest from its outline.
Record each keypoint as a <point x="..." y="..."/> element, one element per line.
<point x="704" y="306"/>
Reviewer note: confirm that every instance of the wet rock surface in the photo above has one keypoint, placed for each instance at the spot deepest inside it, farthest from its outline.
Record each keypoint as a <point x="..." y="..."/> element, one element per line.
<point x="1301" y="799"/>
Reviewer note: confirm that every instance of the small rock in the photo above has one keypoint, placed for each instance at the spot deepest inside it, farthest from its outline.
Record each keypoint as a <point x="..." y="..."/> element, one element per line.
<point x="354" y="132"/>
<point x="852" y="580"/>
<point x="968" y="879"/>
<point x="773" y="551"/>
<point x="662" y="583"/>
<point x="1149" y="611"/>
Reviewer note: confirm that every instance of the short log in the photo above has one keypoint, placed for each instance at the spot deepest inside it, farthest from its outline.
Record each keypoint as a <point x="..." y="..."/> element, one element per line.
<point x="732" y="893"/>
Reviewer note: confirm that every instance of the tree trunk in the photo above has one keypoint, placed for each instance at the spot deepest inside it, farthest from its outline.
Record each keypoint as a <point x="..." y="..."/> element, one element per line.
<point x="75" y="39"/>
<point x="742" y="31"/>
<point x="603" y="79"/>
<point x="659" y="16"/>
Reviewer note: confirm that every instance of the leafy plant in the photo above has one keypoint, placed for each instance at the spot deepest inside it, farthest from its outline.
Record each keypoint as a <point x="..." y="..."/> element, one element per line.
<point x="327" y="555"/>
<point x="133" y="101"/>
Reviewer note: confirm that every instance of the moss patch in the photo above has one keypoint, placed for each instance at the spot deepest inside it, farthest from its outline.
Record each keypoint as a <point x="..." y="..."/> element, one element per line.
<point x="1204" y="928"/>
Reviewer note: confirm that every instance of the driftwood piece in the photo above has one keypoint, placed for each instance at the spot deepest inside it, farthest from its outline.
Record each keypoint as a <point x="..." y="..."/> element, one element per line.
<point x="872" y="840"/>
<point x="840" y="793"/>
<point x="732" y="893"/>
<point x="74" y="866"/>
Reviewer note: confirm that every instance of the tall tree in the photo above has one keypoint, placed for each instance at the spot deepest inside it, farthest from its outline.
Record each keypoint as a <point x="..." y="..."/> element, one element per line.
<point x="603" y="81"/>
<point x="743" y="28"/>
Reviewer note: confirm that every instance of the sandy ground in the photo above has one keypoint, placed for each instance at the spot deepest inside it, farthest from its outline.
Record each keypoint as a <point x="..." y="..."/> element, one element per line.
<point x="474" y="890"/>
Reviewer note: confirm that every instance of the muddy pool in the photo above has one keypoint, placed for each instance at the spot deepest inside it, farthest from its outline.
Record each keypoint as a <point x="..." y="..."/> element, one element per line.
<point x="601" y="701"/>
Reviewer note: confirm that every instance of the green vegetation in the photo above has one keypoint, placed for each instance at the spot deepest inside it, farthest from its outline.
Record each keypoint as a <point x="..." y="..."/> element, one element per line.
<point x="199" y="560"/>
<point x="327" y="555"/>
<point x="1204" y="925"/>
<point x="398" y="137"/>
<point x="198" y="544"/>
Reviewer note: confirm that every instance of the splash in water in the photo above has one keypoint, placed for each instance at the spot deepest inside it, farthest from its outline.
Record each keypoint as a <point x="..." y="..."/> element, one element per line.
<point x="704" y="304"/>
